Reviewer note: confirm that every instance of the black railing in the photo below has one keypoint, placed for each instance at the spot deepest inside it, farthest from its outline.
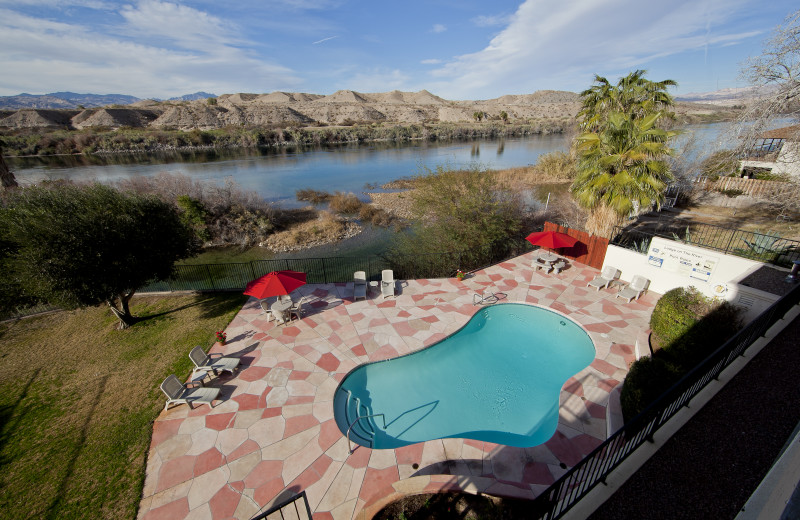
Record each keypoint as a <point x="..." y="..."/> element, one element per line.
<point x="762" y="247"/>
<point x="595" y="467"/>
<point x="289" y="508"/>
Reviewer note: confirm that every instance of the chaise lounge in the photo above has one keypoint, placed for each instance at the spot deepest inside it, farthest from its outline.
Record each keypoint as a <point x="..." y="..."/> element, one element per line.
<point x="359" y="285"/>
<point x="179" y="393"/>
<point x="205" y="363"/>
<point x="638" y="285"/>
<point x="387" y="283"/>
<point x="607" y="275"/>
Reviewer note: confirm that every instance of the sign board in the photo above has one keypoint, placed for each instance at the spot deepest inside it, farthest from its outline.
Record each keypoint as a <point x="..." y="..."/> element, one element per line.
<point x="684" y="260"/>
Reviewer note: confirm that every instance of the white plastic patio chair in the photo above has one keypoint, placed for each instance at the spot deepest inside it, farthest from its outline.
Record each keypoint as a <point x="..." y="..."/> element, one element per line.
<point x="178" y="393"/>
<point x="607" y="275"/>
<point x="359" y="285"/>
<point x="296" y="310"/>
<point x="265" y="308"/>
<point x="387" y="283"/>
<point x="638" y="285"/>
<point x="211" y="362"/>
<point x="559" y="266"/>
<point x="538" y="263"/>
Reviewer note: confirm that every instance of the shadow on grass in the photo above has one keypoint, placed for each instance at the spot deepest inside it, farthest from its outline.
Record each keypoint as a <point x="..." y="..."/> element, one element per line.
<point x="9" y="421"/>
<point x="59" y="497"/>
<point x="210" y="307"/>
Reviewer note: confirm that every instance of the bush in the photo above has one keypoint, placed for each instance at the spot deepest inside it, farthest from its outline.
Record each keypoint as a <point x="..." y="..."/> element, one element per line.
<point x="721" y="163"/>
<point x="647" y="379"/>
<point x="687" y="327"/>
<point x="346" y="203"/>
<point x="313" y="196"/>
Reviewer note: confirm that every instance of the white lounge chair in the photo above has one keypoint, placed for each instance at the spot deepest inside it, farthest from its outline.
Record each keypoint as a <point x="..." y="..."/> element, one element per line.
<point x="359" y="285"/>
<point x="607" y="275"/>
<point x="387" y="283"/>
<point x="211" y="362"/>
<point x="178" y="393"/>
<point x="638" y="285"/>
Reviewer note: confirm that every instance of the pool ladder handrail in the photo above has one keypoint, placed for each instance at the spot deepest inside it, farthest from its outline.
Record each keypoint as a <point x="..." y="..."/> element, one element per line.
<point x="354" y="423"/>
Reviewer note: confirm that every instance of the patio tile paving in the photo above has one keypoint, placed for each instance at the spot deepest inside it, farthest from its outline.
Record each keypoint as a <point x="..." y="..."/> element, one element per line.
<point x="272" y="434"/>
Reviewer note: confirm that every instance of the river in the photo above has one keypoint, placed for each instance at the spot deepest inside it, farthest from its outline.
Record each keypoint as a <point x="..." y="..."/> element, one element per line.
<point x="276" y="174"/>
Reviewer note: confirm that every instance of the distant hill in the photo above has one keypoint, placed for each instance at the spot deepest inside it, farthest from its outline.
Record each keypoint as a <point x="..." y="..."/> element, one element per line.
<point x="72" y="100"/>
<point x="726" y="96"/>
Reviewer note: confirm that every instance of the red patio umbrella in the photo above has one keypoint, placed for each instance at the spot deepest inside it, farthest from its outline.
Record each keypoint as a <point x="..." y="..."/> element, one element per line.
<point x="276" y="283"/>
<point x="551" y="239"/>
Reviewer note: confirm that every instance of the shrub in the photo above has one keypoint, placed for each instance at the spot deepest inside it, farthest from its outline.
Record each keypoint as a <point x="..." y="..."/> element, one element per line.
<point x="313" y="196"/>
<point x="675" y="313"/>
<point x="647" y="379"/>
<point x="721" y="163"/>
<point x="346" y="203"/>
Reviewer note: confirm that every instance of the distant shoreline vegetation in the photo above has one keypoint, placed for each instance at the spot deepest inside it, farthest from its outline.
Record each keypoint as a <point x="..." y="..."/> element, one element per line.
<point x="98" y="140"/>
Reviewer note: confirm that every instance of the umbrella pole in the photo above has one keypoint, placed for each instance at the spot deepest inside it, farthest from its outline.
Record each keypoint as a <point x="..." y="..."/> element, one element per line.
<point x="547" y="203"/>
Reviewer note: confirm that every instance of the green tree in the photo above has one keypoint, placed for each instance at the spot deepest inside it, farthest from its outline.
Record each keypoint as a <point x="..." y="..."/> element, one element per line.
<point x="477" y="116"/>
<point x="623" y="149"/>
<point x="83" y="245"/>
<point x="504" y="116"/>
<point x="466" y="213"/>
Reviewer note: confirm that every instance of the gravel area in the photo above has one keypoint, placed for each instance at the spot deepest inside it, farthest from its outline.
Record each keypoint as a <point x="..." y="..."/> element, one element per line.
<point x="712" y="465"/>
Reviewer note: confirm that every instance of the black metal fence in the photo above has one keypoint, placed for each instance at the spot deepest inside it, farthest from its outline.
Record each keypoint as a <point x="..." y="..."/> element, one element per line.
<point x="293" y="508"/>
<point x="763" y="247"/>
<point x="595" y="467"/>
<point x="234" y="276"/>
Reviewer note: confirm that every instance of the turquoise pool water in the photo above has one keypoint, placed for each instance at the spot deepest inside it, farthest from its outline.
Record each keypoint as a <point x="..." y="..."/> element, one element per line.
<point x="496" y="379"/>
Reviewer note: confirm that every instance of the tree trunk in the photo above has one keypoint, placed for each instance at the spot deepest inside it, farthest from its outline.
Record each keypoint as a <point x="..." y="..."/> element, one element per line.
<point x="121" y="309"/>
<point x="7" y="179"/>
<point x="602" y="220"/>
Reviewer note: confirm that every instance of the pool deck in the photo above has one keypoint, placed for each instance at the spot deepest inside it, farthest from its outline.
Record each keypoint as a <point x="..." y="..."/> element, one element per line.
<point x="272" y="433"/>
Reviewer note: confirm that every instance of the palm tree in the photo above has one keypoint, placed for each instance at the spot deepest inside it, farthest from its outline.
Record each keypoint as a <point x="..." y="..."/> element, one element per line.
<point x="622" y="152"/>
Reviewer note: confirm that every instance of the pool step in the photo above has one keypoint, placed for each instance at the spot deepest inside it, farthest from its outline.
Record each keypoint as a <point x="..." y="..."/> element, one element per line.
<point x="357" y="432"/>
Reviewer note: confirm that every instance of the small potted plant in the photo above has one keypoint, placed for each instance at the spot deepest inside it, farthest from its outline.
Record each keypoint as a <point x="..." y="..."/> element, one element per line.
<point x="221" y="337"/>
<point x="460" y="275"/>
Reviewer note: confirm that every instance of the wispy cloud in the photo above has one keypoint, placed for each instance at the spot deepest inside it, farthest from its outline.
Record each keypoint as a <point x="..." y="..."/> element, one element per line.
<point x="324" y="40"/>
<point x="438" y="28"/>
<point x="432" y="61"/>
<point x="492" y="20"/>
<point x="606" y="36"/>
<point x="175" y="59"/>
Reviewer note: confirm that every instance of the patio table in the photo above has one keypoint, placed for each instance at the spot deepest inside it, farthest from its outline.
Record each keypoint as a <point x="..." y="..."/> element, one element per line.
<point x="548" y="257"/>
<point x="279" y="309"/>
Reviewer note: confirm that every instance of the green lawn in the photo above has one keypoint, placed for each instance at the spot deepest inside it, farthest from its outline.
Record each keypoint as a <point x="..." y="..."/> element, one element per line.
<point x="78" y="399"/>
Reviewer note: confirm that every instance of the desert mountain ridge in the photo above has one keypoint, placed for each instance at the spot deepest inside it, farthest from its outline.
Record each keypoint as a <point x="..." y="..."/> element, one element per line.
<point x="343" y="107"/>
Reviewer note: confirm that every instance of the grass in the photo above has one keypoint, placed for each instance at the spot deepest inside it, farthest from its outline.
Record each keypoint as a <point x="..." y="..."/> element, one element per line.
<point x="78" y="399"/>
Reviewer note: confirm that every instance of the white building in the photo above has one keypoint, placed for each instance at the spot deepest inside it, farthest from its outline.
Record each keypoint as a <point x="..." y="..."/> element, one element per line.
<point x="776" y="152"/>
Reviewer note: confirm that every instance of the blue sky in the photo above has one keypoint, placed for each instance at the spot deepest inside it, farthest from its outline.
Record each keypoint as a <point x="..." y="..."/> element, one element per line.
<point x="457" y="49"/>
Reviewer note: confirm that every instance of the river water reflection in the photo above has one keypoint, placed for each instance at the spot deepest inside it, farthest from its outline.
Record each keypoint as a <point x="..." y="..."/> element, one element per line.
<point x="276" y="174"/>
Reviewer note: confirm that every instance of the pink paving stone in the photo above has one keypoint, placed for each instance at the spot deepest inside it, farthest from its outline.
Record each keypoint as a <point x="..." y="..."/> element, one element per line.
<point x="298" y="375"/>
<point x="305" y="479"/>
<point x="600" y="328"/>
<point x="404" y="329"/>
<point x="208" y="460"/>
<point x="163" y="430"/>
<point x="617" y="324"/>
<point x="410" y="454"/>
<point x="621" y="349"/>
<point x="328" y="362"/>
<point x="176" y="509"/>
<point x="430" y="319"/>
<point x="604" y="367"/>
<point x="299" y="399"/>
<point x="387" y="304"/>
<point x="607" y="384"/>
<point x="377" y="322"/>
<point x="299" y="424"/>
<point x="385" y="352"/>
<point x="246" y="448"/>
<point x="359" y="350"/>
<point x="586" y="443"/>
<point x="474" y="443"/>
<point x="175" y="471"/>
<point x="260" y="336"/>
<point x="219" y="421"/>
<point x="264" y="471"/>
<point x="359" y="458"/>
<point x="238" y="485"/>
<point x="253" y="373"/>
<point x="292" y="331"/>
<point x="328" y="434"/>
<point x="270" y="412"/>
<point x="595" y="410"/>
<point x="321" y="464"/>
<point x="560" y="446"/>
<point x="376" y="479"/>
<point x="403" y="314"/>
<point x="247" y="401"/>
<point x="537" y="473"/>
<point x="223" y="504"/>
<point x="324" y="515"/>
<point x="268" y="491"/>
<point x="303" y="349"/>
<point x="573" y="386"/>
<point x="611" y="309"/>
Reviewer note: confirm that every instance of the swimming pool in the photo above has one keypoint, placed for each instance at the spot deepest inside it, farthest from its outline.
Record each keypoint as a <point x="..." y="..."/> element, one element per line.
<point x="496" y="379"/>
